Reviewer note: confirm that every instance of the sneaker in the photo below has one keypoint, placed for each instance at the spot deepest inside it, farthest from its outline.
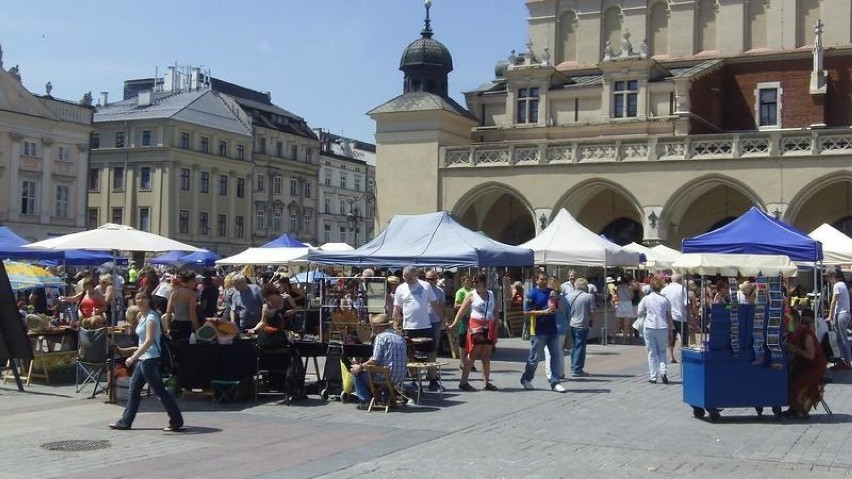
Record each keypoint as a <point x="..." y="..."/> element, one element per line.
<point x="527" y="385"/>
<point x="434" y="385"/>
<point x="490" y="387"/>
<point x="652" y="381"/>
<point x="580" y="374"/>
<point x="558" y="388"/>
<point x="467" y="387"/>
<point x="665" y="379"/>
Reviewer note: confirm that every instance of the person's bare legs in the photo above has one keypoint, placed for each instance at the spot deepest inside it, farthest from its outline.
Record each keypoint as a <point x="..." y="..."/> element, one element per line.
<point x="485" y="355"/>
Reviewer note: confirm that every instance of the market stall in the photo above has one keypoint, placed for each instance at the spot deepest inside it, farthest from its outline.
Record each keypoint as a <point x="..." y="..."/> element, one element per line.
<point x="567" y="242"/>
<point x="740" y="363"/>
<point x="836" y="246"/>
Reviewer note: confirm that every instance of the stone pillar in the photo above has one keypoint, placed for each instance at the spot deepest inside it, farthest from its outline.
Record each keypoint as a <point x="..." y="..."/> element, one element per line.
<point x="14" y="178"/>
<point x="48" y="186"/>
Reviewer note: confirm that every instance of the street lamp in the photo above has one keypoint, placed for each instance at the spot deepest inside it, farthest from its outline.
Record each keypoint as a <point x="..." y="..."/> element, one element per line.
<point x="354" y="219"/>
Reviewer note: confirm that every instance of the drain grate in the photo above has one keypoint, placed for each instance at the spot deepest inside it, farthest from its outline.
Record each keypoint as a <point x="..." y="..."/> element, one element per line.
<point x="77" y="445"/>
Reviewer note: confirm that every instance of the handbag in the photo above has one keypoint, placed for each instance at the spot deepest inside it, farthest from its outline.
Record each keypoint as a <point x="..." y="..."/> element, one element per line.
<point x="639" y="324"/>
<point x="167" y="359"/>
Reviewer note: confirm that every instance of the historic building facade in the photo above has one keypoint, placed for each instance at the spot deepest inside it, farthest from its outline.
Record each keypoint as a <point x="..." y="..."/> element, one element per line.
<point x="44" y="153"/>
<point x="346" y="190"/>
<point x="649" y="120"/>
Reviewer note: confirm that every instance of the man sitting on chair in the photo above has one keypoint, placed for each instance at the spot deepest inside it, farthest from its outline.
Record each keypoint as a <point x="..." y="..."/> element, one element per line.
<point x="389" y="349"/>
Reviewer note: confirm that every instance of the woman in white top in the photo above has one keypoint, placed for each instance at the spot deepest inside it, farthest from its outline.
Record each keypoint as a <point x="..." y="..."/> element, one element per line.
<point x="481" y="331"/>
<point x="625" y="311"/>
<point x="658" y="329"/>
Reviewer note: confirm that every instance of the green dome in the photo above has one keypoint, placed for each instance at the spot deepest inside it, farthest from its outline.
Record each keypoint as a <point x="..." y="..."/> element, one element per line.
<point x="428" y="52"/>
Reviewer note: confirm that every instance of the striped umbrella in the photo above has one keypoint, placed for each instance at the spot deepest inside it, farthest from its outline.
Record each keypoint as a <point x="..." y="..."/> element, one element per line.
<point x="26" y="276"/>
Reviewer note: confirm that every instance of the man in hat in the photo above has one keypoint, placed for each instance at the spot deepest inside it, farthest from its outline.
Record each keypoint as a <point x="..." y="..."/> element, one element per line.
<point x="389" y="349"/>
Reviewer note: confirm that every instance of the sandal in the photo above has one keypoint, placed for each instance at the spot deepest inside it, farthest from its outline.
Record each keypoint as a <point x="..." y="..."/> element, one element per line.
<point x="490" y="387"/>
<point x="468" y="387"/>
<point x="174" y="429"/>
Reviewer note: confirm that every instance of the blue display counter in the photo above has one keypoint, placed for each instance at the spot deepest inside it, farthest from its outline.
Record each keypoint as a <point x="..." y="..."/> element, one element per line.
<point x="717" y="378"/>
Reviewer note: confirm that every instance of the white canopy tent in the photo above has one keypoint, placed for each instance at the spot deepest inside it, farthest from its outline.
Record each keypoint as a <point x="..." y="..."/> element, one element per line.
<point x="276" y="256"/>
<point x="336" y="247"/>
<point x="566" y="242"/>
<point x="836" y="246"/>
<point x="113" y="237"/>
<point x="711" y="264"/>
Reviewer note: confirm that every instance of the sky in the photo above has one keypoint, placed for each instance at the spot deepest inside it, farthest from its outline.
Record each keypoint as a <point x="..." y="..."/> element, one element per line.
<point x="328" y="61"/>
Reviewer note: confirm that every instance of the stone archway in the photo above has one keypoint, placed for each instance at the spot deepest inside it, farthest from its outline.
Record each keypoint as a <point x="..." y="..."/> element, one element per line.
<point x="824" y="200"/>
<point x="606" y="208"/>
<point x="499" y="211"/>
<point x="701" y="205"/>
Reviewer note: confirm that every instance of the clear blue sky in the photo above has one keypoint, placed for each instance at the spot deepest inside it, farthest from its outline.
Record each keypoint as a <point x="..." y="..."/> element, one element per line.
<point x="329" y="61"/>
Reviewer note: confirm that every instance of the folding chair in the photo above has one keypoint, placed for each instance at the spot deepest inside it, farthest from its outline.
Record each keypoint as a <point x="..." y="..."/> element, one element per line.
<point x="93" y="360"/>
<point x="825" y="380"/>
<point x="383" y="392"/>
<point x="271" y="371"/>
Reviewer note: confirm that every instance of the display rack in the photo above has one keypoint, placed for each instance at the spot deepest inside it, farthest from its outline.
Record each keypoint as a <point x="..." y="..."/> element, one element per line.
<point x="759" y="326"/>
<point x="775" y="317"/>
<point x="735" y="323"/>
<point x="346" y="304"/>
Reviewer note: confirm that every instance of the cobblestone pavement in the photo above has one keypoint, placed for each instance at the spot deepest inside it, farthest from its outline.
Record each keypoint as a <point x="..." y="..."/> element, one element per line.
<point x="612" y="424"/>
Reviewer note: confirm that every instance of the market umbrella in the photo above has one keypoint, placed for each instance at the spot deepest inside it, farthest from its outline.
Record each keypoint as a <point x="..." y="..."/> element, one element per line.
<point x="113" y="237"/>
<point x="26" y="276"/>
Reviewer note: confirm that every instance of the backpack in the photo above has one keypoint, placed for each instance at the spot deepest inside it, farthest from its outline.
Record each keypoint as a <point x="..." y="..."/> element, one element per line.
<point x="167" y="358"/>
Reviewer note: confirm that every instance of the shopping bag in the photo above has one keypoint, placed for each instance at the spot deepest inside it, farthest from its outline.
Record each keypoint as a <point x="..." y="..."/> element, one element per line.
<point x="639" y="324"/>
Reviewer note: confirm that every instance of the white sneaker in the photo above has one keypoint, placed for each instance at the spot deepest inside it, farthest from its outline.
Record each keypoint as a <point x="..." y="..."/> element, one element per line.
<point x="527" y="385"/>
<point x="558" y="388"/>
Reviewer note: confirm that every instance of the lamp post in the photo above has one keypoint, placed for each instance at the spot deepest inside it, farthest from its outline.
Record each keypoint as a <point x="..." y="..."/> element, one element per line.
<point x="354" y="220"/>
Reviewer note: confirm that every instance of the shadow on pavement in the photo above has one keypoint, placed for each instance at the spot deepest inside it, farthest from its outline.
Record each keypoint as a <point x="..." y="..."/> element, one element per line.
<point x="589" y="391"/>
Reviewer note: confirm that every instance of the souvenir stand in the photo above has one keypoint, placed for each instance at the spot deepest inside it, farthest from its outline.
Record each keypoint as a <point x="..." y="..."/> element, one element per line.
<point x="741" y="362"/>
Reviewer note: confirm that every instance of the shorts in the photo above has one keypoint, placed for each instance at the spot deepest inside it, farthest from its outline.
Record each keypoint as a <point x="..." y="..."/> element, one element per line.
<point x="429" y="347"/>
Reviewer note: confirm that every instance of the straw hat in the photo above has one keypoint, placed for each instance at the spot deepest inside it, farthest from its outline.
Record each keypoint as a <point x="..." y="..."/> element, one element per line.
<point x="380" y="320"/>
<point x="610" y="279"/>
<point x="394" y="280"/>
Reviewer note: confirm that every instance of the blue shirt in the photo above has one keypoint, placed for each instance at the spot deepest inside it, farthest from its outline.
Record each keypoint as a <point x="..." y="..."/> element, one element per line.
<point x="537" y="300"/>
<point x="389" y="349"/>
<point x="248" y="305"/>
<point x="142" y="333"/>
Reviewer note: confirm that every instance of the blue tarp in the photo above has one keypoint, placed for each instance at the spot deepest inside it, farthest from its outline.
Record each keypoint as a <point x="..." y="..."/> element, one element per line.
<point x="285" y="241"/>
<point x="204" y="257"/>
<point x="11" y="246"/>
<point x="434" y="239"/>
<point x="755" y="232"/>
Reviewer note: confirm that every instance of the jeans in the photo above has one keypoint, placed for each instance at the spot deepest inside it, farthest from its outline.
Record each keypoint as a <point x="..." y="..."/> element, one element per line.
<point x="578" y="352"/>
<point x="436" y="335"/>
<point x="537" y="344"/>
<point x="148" y="371"/>
<point x="656" y="341"/>
<point x="560" y="360"/>
<point x="840" y="324"/>
<point x="362" y="389"/>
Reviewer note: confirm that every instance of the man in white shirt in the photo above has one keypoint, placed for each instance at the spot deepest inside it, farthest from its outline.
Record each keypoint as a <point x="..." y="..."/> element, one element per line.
<point x="411" y="304"/>
<point x="568" y="286"/>
<point x="676" y="295"/>
<point x="839" y="317"/>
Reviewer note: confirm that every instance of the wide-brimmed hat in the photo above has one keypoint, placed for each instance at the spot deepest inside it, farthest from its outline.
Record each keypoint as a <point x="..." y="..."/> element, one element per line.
<point x="610" y="279"/>
<point x="380" y="320"/>
<point x="394" y="280"/>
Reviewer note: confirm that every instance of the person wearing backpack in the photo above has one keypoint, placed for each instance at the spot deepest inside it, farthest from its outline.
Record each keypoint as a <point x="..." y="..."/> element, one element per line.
<point x="147" y="354"/>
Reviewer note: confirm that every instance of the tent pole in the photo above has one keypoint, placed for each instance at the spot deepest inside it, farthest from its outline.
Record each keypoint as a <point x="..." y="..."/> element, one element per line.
<point x="604" y="340"/>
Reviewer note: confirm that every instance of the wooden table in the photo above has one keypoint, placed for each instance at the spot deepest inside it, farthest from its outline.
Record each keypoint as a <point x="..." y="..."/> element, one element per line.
<point x="421" y="369"/>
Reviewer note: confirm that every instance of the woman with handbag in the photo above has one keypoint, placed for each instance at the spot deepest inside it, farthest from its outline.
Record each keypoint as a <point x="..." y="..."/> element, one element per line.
<point x="481" y="331"/>
<point x="147" y="354"/>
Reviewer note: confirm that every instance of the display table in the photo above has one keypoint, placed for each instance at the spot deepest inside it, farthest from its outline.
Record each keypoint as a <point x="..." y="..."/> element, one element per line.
<point x="53" y="349"/>
<point x="199" y="364"/>
<point x="421" y="369"/>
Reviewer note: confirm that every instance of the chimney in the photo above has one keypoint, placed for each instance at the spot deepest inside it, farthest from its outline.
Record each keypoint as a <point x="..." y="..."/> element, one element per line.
<point x="195" y="79"/>
<point x="169" y="79"/>
<point x="144" y="98"/>
<point x="104" y="98"/>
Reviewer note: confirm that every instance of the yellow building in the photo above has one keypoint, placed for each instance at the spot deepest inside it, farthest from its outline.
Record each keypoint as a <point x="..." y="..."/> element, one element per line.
<point x="648" y="120"/>
<point x="44" y="153"/>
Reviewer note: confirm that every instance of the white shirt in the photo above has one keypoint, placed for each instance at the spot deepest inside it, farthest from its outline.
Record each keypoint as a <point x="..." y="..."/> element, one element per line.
<point x="674" y="292"/>
<point x="656" y="309"/>
<point x="566" y="288"/>
<point x="414" y="301"/>
<point x="841" y="295"/>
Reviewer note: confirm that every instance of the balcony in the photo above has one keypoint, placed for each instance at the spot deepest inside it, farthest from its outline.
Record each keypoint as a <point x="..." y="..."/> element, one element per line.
<point x="770" y="144"/>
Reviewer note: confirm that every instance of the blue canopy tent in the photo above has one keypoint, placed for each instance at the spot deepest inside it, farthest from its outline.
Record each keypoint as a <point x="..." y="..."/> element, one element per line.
<point x="204" y="257"/>
<point x="11" y="246"/>
<point x="168" y="258"/>
<point x="434" y="239"/>
<point x="755" y="232"/>
<point x="285" y="241"/>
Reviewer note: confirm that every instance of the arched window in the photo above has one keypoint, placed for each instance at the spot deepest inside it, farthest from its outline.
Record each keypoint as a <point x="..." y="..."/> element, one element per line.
<point x="844" y="225"/>
<point x="567" y="39"/>
<point x="807" y="14"/>
<point x="705" y="26"/>
<point x="612" y="30"/>
<point x="623" y="231"/>
<point x="658" y="29"/>
<point x="722" y="222"/>
<point x="755" y="25"/>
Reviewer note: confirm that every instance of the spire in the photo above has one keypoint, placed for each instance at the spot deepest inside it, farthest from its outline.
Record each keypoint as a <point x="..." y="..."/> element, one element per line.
<point x="818" y="48"/>
<point x="427" y="24"/>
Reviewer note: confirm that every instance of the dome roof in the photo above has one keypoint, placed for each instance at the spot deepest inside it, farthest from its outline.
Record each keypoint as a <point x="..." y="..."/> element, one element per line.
<point x="426" y="51"/>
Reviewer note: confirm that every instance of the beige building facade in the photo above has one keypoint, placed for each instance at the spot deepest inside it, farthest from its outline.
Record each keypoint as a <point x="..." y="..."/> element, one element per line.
<point x="650" y="121"/>
<point x="44" y="154"/>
